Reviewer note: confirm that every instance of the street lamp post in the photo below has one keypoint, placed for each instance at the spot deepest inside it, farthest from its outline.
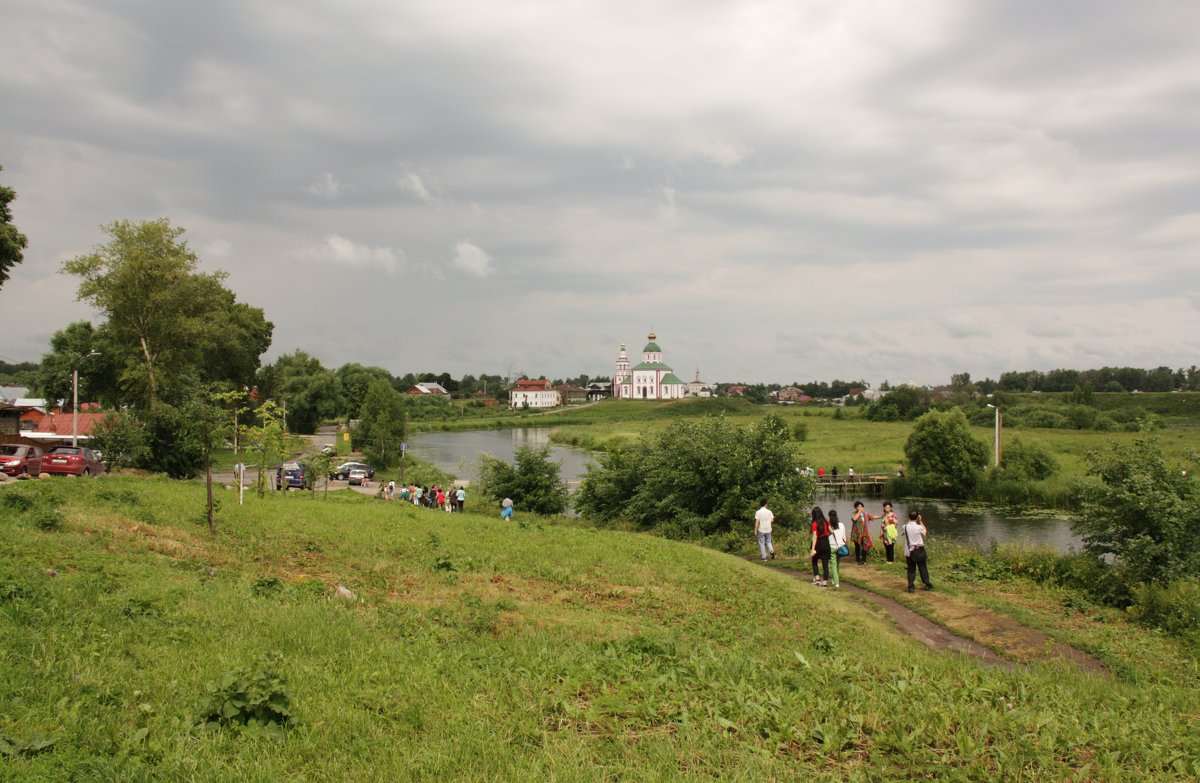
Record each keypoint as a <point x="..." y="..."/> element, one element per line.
<point x="239" y="469"/>
<point x="75" y="401"/>
<point x="999" y="423"/>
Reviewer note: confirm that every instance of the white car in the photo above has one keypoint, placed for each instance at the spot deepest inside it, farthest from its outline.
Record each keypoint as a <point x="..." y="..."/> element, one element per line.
<point x="358" y="476"/>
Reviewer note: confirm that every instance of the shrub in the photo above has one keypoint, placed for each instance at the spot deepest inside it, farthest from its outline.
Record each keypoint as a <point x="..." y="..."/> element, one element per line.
<point x="252" y="695"/>
<point x="123" y="440"/>
<point x="698" y="478"/>
<point x="1142" y="515"/>
<point x="47" y="518"/>
<point x="1175" y="607"/>
<point x="532" y="481"/>
<point x="902" y="403"/>
<point x="16" y="501"/>
<point x="1028" y="460"/>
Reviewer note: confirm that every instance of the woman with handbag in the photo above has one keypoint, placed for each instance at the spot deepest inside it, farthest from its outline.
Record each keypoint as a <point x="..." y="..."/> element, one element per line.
<point x="837" y="543"/>
<point x="914" y="551"/>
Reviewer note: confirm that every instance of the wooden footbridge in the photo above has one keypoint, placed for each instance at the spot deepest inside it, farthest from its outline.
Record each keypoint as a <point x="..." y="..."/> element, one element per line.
<point x="865" y="484"/>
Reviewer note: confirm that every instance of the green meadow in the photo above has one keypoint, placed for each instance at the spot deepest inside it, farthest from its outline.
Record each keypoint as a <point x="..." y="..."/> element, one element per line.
<point x="846" y="439"/>
<point x="134" y="645"/>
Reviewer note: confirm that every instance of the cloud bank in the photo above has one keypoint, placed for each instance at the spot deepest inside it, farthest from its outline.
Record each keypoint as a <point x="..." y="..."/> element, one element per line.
<point x="842" y="188"/>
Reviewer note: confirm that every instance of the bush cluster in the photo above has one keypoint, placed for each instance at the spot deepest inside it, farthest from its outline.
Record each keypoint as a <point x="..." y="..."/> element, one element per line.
<point x="698" y="478"/>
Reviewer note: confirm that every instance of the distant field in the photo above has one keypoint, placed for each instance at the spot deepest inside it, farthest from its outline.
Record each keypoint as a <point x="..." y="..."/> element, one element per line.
<point x="869" y="447"/>
<point x="481" y="650"/>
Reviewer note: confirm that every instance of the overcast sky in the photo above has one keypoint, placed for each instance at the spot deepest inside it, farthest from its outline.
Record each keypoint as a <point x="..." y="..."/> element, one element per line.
<point x="784" y="191"/>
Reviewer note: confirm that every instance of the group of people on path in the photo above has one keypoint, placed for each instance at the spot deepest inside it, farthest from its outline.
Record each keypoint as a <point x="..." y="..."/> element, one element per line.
<point x="829" y="543"/>
<point x="449" y="499"/>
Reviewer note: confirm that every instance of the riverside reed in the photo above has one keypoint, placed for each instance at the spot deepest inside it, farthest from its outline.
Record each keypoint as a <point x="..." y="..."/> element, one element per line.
<point x="535" y="650"/>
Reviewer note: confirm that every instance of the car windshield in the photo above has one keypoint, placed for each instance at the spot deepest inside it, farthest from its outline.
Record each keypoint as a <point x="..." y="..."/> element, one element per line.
<point x="10" y="451"/>
<point x="69" y="451"/>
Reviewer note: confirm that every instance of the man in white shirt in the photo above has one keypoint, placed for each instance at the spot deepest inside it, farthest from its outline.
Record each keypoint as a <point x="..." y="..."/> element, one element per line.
<point x="914" y="551"/>
<point x="763" y="518"/>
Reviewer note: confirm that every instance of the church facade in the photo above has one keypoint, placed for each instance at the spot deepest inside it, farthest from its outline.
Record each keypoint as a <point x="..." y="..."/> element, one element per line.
<point x="650" y="379"/>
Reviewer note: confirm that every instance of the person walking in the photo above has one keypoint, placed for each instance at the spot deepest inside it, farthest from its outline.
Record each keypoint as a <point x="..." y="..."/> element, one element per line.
<point x="506" y="508"/>
<point x="819" y="550"/>
<point x="889" y="532"/>
<point x="914" y="551"/>
<point x="838" y="549"/>
<point x="763" y="522"/>
<point x="460" y="498"/>
<point x="391" y="493"/>
<point x="860" y="532"/>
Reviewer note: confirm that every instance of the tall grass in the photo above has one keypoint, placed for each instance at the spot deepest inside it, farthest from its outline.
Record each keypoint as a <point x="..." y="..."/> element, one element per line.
<point x="481" y="650"/>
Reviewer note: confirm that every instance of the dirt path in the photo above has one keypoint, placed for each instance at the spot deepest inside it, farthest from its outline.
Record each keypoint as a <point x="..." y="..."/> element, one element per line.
<point x="952" y="623"/>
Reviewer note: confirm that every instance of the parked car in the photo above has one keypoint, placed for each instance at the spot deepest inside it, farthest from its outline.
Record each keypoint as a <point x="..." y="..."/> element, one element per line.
<point x="291" y="474"/>
<point x="71" y="461"/>
<point x="358" y="476"/>
<point x="16" y="458"/>
<point x="343" y="471"/>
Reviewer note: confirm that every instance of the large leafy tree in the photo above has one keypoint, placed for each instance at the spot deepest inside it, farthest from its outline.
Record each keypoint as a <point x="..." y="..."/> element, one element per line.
<point x="308" y="392"/>
<point x="944" y="458"/>
<point x="12" y="241"/>
<point x="169" y="326"/>
<point x="356" y="380"/>
<point x="79" y="346"/>
<point x="380" y="429"/>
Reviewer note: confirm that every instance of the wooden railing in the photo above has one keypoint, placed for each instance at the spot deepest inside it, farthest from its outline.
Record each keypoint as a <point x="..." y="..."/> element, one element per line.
<point x="868" y="483"/>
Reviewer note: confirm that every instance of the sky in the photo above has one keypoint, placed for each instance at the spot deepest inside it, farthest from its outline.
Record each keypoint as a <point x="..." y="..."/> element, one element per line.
<point x="782" y="191"/>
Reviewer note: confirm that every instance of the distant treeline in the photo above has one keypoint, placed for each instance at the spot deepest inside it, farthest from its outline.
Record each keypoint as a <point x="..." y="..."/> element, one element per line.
<point x="1105" y="379"/>
<point x="19" y="373"/>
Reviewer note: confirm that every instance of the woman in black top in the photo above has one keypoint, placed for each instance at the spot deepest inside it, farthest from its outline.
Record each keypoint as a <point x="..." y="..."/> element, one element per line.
<point x="820" y="547"/>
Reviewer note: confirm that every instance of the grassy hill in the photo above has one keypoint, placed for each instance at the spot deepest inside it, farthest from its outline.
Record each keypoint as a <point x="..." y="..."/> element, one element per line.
<point x="481" y="650"/>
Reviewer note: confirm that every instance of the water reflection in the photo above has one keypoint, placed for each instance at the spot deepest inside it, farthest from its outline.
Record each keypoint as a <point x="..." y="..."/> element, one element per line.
<point x="458" y="452"/>
<point x="981" y="528"/>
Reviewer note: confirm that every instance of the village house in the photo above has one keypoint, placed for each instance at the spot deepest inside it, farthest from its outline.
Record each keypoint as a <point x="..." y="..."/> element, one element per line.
<point x="599" y="391"/>
<point x="435" y="389"/>
<point x="535" y="393"/>
<point x="791" y="396"/>
<point x="569" y="394"/>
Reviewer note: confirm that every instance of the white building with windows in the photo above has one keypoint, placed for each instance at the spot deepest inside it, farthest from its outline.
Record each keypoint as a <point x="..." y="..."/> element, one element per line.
<point x="650" y="379"/>
<point x="533" y="394"/>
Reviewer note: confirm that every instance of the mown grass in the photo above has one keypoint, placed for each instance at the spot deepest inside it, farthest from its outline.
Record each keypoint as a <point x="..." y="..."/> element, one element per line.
<point x="481" y="650"/>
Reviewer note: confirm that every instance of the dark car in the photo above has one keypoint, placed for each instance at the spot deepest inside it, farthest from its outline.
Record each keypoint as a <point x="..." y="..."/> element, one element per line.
<point x="71" y="461"/>
<point x="16" y="459"/>
<point x="343" y="471"/>
<point x="291" y="474"/>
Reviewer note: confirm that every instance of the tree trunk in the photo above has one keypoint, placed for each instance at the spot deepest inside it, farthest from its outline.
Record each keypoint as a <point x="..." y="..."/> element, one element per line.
<point x="212" y="517"/>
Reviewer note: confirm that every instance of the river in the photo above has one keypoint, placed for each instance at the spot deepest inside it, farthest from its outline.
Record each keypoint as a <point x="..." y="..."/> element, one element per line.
<point x="457" y="452"/>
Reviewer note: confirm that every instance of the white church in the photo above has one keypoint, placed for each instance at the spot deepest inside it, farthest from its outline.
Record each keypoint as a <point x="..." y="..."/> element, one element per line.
<point x="648" y="380"/>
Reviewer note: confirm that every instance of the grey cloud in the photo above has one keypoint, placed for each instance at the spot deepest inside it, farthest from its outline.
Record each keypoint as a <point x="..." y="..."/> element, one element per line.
<point x="991" y="183"/>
